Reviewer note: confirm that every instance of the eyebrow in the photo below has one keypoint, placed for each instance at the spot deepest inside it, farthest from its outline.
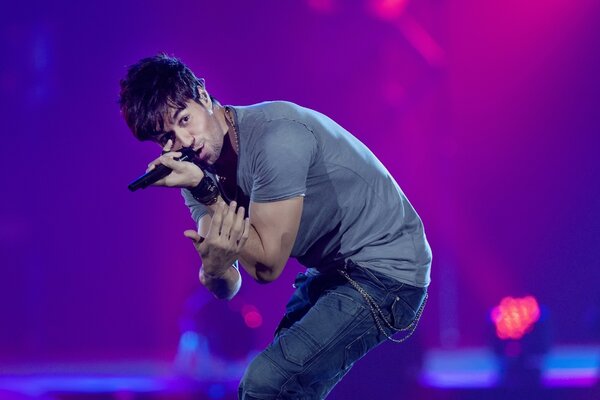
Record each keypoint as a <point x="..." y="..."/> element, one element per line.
<point x="177" y="112"/>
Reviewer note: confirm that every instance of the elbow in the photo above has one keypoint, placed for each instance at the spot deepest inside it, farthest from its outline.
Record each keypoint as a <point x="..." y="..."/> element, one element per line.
<point x="265" y="274"/>
<point x="264" y="279"/>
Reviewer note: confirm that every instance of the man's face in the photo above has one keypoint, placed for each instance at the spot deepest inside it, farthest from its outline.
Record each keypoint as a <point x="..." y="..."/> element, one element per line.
<point x="194" y="126"/>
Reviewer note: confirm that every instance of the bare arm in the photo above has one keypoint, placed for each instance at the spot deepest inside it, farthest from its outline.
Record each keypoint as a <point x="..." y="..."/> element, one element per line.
<point x="263" y="242"/>
<point x="266" y="249"/>
<point x="272" y="232"/>
<point x="225" y="286"/>
<point x="218" y="241"/>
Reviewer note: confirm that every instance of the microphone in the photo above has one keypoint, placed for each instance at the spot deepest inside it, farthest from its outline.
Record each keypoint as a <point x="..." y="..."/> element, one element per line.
<point x="160" y="171"/>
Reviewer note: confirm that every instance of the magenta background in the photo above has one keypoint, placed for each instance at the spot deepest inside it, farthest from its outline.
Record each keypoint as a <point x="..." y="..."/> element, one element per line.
<point x="486" y="113"/>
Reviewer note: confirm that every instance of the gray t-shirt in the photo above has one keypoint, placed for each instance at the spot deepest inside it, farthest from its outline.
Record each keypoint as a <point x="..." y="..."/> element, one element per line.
<point x="353" y="207"/>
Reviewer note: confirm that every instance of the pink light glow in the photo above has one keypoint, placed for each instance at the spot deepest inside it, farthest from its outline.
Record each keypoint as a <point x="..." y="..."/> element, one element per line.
<point x="323" y="6"/>
<point x="388" y="9"/>
<point x="421" y="40"/>
<point x="514" y="317"/>
<point x="252" y="317"/>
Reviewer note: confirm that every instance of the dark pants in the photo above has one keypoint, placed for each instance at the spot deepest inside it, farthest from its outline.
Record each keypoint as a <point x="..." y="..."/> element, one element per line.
<point x="328" y="326"/>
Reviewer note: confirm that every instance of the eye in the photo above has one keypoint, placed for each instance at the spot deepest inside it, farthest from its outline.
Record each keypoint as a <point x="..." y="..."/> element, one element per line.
<point x="184" y="120"/>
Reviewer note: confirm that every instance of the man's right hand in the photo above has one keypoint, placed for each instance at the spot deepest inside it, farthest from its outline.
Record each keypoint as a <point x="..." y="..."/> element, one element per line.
<point x="185" y="174"/>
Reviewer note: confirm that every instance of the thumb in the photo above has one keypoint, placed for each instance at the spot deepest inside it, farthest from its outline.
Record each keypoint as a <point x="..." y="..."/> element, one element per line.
<point x="193" y="235"/>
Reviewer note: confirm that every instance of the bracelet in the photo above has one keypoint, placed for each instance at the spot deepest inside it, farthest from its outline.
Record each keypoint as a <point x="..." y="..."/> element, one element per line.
<point x="206" y="192"/>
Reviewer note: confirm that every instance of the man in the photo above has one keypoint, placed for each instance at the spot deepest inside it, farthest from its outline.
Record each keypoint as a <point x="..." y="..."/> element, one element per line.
<point x="312" y="191"/>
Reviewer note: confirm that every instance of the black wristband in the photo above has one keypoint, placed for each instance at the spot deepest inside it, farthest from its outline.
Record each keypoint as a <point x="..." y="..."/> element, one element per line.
<point x="206" y="192"/>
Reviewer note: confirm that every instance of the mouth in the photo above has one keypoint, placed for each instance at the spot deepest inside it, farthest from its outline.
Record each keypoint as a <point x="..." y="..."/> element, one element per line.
<point x="198" y="152"/>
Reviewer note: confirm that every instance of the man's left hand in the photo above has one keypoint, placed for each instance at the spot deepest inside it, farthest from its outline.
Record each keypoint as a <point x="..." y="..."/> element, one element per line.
<point x="226" y="237"/>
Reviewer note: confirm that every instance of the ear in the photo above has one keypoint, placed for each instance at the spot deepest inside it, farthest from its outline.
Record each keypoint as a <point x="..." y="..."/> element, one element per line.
<point x="204" y="98"/>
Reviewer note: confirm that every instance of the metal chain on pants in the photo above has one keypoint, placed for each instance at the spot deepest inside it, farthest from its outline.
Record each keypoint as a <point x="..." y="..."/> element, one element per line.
<point x="378" y="314"/>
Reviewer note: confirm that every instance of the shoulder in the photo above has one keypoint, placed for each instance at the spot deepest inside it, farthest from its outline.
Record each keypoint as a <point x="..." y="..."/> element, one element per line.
<point x="269" y="111"/>
<point x="284" y="133"/>
<point x="275" y="124"/>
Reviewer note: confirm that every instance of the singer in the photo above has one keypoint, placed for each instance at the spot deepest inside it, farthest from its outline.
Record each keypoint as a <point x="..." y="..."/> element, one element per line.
<point x="276" y="180"/>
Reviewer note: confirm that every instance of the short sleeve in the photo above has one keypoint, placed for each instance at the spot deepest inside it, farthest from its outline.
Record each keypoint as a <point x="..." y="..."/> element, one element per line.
<point x="198" y="210"/>
<point x="284" y="153"/>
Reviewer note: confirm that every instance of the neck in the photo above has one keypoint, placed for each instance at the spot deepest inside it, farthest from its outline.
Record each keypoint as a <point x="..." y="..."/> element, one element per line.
<point x="231" y="129"/>
<point x="226" y="164"/>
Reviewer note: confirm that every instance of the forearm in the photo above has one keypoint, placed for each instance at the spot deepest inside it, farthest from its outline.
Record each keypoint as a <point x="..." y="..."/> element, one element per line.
<point x="224" y="286"/>
<point x="254" y="260"/>
<point x="254" y="256"/>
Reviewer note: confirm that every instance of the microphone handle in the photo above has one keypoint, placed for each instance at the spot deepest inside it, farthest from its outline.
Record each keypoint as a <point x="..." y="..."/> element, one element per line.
<point x="159" y="172"/>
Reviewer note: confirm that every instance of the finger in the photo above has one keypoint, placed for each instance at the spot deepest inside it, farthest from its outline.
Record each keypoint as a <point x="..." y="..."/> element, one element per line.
<point x="173" y="165"/>
<point x="245" y="235"/>
<point x="153" y="164"/>
<point x="193" y="235"/>
<point x="228" y="219"/>
<point x="168" y="160"/>
<point x="170" y="156"/>
<point x="161" y="159"/>
<point x="216" y="221"/>
<point x="167" y="146"/>
<point x="238" y="225"/>
<point x="160" y="182"/>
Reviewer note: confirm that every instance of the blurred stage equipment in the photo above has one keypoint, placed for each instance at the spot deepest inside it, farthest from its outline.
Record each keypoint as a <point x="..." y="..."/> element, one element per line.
<point x="515" y="317"/>
<point x="217" y="341"/>
<point x="521" y="340"/>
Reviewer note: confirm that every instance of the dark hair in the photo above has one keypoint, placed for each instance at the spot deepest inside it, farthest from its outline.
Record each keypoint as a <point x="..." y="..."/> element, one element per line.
<point x="150" y="88"/>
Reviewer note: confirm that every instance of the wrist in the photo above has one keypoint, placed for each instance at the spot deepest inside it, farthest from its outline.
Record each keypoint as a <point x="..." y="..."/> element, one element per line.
<point x="212" y="279"/>
<point x="206" y="191"/>
<point x="212" y="208"/>
<point x="196" y="180"/>
<point x="224" y="287"/>
<point x="212" y="274"/>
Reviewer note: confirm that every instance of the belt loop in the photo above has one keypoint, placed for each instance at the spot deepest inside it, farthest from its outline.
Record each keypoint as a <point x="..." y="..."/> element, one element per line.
<point x="351" y="265"/>
<point x="300" y="278"/>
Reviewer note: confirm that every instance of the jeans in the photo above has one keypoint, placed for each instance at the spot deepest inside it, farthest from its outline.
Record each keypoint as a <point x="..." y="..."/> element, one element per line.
<point x="327" y="327"/>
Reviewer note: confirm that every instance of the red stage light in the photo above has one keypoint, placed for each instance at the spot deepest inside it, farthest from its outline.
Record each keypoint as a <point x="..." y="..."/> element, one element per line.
<point x="514" y="317"/>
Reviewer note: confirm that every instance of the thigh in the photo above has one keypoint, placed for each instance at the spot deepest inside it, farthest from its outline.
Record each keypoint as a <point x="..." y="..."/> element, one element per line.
<point x="330" y="322"/>
<point x="328" y="326"/>
<point x="318" y="349"/>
